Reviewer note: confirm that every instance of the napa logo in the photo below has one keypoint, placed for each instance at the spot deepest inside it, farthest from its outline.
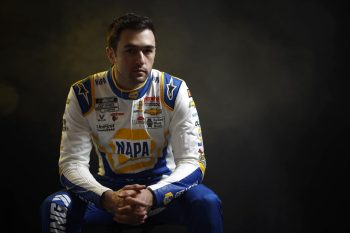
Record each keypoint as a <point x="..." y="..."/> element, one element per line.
<point x="133" y="144"/>
<point x="132" y="150"/>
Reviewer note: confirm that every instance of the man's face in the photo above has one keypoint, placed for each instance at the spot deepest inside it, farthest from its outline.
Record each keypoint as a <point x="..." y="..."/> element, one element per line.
<point x="134" y="57"/>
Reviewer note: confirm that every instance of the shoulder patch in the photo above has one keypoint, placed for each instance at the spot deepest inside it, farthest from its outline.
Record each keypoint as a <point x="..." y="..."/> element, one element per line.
<point x="84" y="91"/>
<point x="170" y="87"/>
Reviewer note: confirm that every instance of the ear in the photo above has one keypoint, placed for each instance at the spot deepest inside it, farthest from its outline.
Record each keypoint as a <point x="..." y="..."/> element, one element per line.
<point x="110" y="54"/>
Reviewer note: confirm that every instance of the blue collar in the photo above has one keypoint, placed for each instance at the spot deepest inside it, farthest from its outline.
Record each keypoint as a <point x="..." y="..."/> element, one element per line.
<point x="128" y="94"/>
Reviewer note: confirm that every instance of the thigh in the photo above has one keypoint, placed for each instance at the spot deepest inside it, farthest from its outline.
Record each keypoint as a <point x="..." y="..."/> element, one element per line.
<point x="179" y="211"/>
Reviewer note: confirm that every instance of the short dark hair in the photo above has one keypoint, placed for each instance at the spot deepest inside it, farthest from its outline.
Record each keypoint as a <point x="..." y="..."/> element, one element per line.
<point x="127" y="21"/>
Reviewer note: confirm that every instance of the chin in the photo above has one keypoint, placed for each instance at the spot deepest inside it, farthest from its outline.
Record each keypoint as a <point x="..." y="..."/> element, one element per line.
<point x="140" y="79"/>
<point x="137" y="81"/>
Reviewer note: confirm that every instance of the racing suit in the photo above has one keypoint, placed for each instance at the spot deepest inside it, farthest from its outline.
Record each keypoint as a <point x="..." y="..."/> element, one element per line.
<point x="150" y="135"/>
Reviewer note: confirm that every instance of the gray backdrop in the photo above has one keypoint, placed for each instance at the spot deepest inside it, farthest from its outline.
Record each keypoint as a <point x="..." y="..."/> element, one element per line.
<point x="267" y="78"/>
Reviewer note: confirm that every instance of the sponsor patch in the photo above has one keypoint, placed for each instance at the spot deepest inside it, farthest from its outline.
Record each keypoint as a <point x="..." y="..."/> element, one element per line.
<point x="100" y="81"/>
<point x="154" y="122"/>
<point x="189" y="93"/>
<point x="153" y="111"/>
<point x="109" y="104"/>
<point x="101" y="117"/>
<point x="115" y="115"/>
<point x="133" y="95"/>
<point x="152" y="101"/>
<point x="140" y="120"/>
<point x="167" y="198"/>
<point x="138" y="106"/>
<point x="105" y="127"/>
<point x="200" y="138"/>
<point x="132" y="144"/>
<point x="179" y="193"/>
<point x="132" y="149"/>
<point x="192" y="104"/>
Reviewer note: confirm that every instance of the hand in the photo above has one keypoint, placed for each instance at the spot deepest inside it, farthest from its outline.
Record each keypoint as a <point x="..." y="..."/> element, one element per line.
<point x="142" y="198"/>
<point x="137" y="204"/>
<point x="111" y="200"/>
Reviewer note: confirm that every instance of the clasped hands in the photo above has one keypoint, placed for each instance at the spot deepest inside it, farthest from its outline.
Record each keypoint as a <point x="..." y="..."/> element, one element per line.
<point x="129" y="205"/>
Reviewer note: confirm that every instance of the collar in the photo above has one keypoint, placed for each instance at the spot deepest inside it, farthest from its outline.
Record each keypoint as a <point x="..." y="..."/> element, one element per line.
<point x="134" y="94"/>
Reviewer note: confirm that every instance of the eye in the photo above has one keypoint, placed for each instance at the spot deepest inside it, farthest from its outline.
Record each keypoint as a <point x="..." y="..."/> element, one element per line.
<point x="147" y="51"/>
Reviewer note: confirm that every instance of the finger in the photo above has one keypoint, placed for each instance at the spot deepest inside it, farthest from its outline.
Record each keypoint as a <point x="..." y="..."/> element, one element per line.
<point x="135" y="201"/>
<point x="124" y="210"/>
<point x="128" y="210"/>
<point x="126" y="193"/>
<point x="134" y="187"/>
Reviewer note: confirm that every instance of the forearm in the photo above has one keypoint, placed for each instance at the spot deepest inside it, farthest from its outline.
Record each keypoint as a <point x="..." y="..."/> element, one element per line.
<point x="78" y="179"/>
<point x="183" y="178"/>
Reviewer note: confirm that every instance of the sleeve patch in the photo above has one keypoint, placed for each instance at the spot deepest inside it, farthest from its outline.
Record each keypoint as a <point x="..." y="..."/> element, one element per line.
<point x="170" y="90"/>
<point x="83" y="91"/>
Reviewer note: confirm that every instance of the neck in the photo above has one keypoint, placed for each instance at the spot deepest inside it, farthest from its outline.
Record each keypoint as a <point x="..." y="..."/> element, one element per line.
<point x="123" y="83"/>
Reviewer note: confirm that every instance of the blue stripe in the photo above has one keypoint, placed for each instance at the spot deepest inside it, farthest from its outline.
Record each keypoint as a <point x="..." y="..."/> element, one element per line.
<point x="80" y="191"/>
<point x="178" y="187"/>
<point x="128" y="94"/>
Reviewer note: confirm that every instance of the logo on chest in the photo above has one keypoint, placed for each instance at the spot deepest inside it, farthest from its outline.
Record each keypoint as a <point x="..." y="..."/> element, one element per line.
<point x="109" y="104"/>
<point x="133" y="149"/>
<point x="133" y="143"/>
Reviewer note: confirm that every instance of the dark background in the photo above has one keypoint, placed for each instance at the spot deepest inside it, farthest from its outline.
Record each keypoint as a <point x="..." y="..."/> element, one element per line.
<point x="268" y="78"/>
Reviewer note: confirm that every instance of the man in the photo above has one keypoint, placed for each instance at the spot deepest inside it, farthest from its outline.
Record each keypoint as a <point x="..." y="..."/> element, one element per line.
<point x="146" y="132"/>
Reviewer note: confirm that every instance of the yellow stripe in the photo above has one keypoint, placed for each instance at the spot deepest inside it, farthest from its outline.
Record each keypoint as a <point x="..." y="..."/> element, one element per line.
<point x="202" y="167"/>
<point x="137" y="166"/>
<point x="92" y="96"/>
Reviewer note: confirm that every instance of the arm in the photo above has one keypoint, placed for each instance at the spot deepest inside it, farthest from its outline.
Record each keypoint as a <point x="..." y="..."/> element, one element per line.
<point x="186" y="142"/>
<point x="75" y="151"/>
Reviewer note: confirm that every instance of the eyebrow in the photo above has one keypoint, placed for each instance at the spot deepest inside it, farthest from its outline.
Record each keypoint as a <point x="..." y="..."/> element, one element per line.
<point x="142" y="47"/>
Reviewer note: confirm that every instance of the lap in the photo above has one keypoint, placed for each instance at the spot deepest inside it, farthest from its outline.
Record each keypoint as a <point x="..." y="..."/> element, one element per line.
<point x="177" y="212"/>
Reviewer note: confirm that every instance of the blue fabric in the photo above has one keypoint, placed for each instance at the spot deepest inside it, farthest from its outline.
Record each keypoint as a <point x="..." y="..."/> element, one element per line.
<point x="199" y="209"/>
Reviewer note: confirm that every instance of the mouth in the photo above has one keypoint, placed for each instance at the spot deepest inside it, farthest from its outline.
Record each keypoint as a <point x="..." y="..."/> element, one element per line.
<point x="140" y="70"/>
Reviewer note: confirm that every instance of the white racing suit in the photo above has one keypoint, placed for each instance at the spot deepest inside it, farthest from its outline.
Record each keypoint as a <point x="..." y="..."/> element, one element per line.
<point x="150" y="135"/>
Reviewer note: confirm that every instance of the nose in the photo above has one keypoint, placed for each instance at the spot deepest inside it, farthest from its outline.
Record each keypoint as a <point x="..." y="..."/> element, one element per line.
<point x="140" y="58"/>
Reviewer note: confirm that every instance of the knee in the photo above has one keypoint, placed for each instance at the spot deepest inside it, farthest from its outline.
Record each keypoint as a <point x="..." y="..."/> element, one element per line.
<point x="58" y="200"/>
<point x="55" y="205"/>
<point x="207" y="212"/>
<point x="208" y="201"/>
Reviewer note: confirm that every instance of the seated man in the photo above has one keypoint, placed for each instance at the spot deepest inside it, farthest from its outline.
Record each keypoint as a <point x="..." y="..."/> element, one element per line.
<point x="145" y="129"/>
